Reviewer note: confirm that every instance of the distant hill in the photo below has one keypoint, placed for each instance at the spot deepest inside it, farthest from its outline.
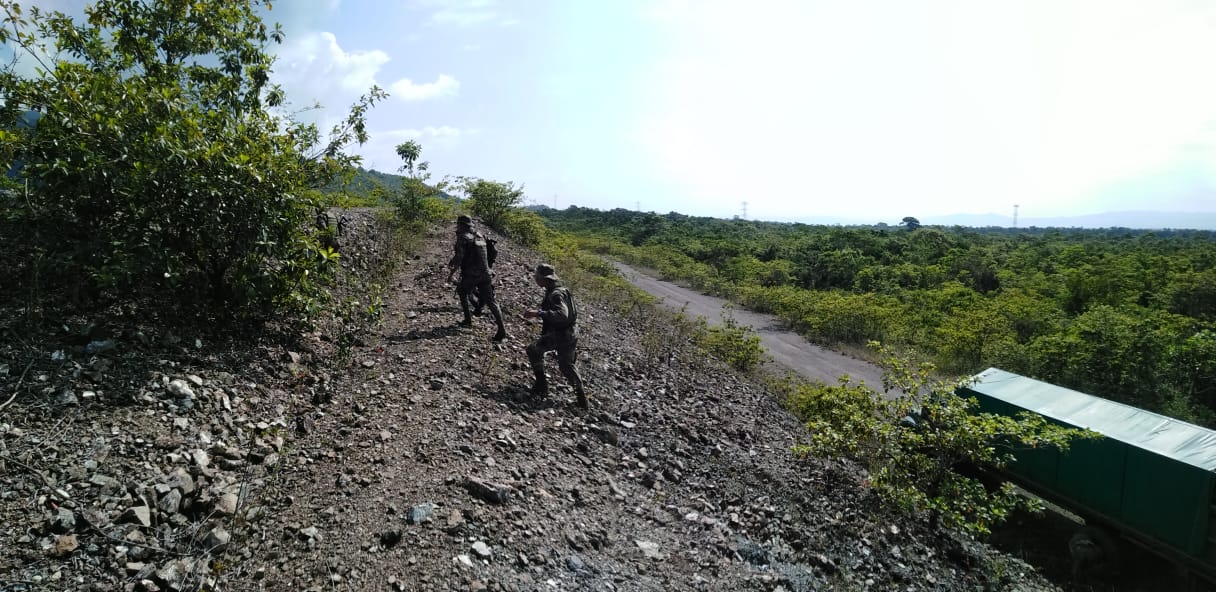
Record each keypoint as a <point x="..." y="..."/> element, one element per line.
<point x="1138" y="220"/>
<point x="1142" y="220"/>
<point x="364" y="181"/>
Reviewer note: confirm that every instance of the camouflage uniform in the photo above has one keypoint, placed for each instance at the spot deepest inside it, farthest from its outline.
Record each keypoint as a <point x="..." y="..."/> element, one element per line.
<point x="559" y="332"/>
<point x="470" y="256"/>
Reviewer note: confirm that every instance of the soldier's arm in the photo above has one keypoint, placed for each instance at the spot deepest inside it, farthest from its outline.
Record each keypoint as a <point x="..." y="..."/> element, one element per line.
<point x="458" y="256"/>
<point x="556" y="311"/>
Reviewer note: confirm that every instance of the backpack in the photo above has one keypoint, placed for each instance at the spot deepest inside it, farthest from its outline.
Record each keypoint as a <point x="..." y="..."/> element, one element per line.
<point x="491" y="251"/>
<point x="569" y="298"/>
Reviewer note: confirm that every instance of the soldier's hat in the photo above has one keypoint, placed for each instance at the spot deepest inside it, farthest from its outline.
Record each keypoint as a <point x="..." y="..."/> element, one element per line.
<point x="545" y="271"/>
<point x="464" y="220"/>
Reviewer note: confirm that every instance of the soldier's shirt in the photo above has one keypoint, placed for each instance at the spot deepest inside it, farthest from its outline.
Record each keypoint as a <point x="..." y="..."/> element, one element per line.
<point x="470" y="255"/>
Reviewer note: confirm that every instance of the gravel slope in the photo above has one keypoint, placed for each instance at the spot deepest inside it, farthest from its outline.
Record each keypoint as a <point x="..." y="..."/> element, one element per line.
<point x="422" y="464"/>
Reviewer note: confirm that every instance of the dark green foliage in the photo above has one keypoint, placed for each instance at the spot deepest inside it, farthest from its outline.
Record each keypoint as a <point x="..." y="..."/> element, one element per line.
<point x="1109" y="312"/>
<point x="498" y="205"/>
<point x="737" y="345"/>
<point x="492" y="201"/>
<point x="369" y="186"/>
<point x="157" y="165"/>
<point x="417" y="202"/>
<point x="924" y="468"/>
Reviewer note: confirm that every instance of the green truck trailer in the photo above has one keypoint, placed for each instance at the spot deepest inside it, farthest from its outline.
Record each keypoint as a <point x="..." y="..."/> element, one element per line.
<point x="1150" y="477"/>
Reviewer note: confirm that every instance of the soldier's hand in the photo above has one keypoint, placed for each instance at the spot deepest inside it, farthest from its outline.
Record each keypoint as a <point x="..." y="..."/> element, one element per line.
<point x="530" y="314"/>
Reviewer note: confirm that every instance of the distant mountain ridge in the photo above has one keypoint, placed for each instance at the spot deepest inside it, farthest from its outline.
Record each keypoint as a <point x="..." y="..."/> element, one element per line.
<point x="363" y="181"/>
<point x="1142" y="220"/>
<point x="1129" y="219"/>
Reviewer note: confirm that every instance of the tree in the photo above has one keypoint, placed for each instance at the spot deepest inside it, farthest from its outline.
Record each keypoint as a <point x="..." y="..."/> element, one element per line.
<point x="417" y="201"/>
<point x="158" y="161"/>
<point x="910" y="223"/>
<point x="491" y="200"/>
<point x="409" y="151"/>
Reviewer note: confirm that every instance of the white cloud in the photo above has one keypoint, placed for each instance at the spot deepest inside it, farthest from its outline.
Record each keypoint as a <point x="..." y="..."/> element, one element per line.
<point x="315" y="67"/>
<point x="465" y="13"/>
<point x="441" y="133"/>
<point x="409" y="90"/>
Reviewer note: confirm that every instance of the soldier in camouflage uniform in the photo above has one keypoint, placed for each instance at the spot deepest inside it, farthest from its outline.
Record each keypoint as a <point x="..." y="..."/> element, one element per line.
<point x="559" y="332"/>
<point x="470" y="259"/>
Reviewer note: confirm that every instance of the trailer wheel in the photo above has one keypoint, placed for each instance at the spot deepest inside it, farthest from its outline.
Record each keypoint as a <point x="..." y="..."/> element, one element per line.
<point x="1094" y="554"/>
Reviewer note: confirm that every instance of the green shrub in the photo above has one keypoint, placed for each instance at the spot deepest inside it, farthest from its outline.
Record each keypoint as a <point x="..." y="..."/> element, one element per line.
<point x="492" y="201"/>
<point x="524" y="226"/>
<point x="737" y="345"/>
<point x="157" y="164"/>
<point x="921" y="470"/>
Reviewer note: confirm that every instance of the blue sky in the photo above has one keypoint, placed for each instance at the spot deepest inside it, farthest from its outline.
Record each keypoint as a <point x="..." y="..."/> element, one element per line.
<point x="866" y="109"/>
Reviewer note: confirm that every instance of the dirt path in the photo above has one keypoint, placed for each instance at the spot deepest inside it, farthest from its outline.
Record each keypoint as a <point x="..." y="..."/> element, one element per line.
<point x="787" y="349"/>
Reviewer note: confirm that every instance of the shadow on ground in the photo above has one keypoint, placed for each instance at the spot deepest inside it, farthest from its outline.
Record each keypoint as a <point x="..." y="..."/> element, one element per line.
<point x="517" y="397"/>
<point x="442" y="332"/>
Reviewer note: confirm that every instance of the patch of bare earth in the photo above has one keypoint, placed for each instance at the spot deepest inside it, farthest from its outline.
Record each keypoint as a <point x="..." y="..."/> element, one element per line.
<point x="421" y="463"/>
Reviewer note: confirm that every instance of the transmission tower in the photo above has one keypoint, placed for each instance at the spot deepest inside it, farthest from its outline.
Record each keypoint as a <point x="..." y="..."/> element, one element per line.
<point x="1015" y="215"/>
<point x="744" y="215"/>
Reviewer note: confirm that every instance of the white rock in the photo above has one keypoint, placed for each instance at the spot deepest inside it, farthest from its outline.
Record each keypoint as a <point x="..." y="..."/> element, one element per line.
<point x="179" y="388"/>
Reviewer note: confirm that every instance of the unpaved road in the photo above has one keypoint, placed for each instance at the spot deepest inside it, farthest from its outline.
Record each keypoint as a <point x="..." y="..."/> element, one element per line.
<point x="787" y="349"/>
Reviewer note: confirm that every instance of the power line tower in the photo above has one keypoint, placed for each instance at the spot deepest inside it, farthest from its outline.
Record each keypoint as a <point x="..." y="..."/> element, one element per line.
<point x="1015" y="215"/>
<point x="744" y="215"/>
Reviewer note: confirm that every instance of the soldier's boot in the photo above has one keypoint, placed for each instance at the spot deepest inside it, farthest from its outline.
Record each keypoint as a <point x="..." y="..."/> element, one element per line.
<point x="536" y="358"/>
<point x="576" y="381"/>
<point x="540" y="388"/>
<point x="502" y="329"/>
<point x="464" y="307"/>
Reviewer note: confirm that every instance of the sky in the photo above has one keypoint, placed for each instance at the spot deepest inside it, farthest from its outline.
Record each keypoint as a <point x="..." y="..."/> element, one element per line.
<point x="804" y="109"/>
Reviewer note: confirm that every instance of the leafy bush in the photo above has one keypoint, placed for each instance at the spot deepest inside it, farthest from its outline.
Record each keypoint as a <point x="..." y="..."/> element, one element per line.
<point x="524" y="226"/>
<point x="157" y="163"/>
<point x="417" y="203"/>
<point x="923" y="469"/>
<point x="492" y="201"/>
<point x="735" y="344"/>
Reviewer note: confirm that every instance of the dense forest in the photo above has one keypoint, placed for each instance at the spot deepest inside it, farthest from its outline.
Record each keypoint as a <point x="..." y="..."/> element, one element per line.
<point x="1125" y="314"/>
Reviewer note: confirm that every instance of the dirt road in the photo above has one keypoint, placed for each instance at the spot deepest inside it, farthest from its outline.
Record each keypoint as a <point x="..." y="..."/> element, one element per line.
<point x="787" y="349"/>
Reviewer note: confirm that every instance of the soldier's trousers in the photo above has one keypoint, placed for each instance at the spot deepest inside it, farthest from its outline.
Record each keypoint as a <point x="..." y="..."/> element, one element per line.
<point x="485" y="295"/>
<point x="565" y="343"/>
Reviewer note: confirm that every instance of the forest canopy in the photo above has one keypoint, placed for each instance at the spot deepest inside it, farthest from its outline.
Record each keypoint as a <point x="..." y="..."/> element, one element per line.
<point x="1125" y="314"/>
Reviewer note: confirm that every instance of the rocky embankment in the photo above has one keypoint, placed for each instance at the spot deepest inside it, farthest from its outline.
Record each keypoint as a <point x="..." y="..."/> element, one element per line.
<point x="145" y="460"/>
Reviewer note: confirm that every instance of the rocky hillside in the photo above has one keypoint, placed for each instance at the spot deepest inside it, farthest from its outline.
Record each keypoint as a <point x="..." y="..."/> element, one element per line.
<point x="139" y="456"/>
